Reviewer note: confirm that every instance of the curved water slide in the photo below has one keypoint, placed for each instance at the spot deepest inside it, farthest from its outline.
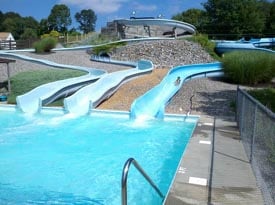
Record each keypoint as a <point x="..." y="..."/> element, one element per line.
<point x="159" y="22"/>
<point x="92" y="95"/>
<point x="33" y="100"/>
<point x="152" y="103"/>
<point x="261" y="44"/>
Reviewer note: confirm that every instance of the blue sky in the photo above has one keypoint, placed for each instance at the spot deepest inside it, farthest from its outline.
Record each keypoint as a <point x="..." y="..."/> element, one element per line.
<point x="106" y="10"/>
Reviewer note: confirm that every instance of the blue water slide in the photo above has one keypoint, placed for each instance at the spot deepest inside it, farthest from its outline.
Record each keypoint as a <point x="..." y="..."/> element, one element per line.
<point x="152" y="103"/>
<point x="90" y="96"/>
<point x="262" y="44"/>
<point x="32" y="101"/>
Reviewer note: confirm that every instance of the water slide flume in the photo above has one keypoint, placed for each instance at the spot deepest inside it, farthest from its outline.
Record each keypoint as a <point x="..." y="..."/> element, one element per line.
<point x="261" y="44"/>
<point x="191" y="29"/>
<point x="91" y="95"/>
<point x="152" y="103"/>
<point x="32" y="101"/>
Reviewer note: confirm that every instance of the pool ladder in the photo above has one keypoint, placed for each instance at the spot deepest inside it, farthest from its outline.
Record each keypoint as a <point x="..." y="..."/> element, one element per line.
<point x="125" y="176"/>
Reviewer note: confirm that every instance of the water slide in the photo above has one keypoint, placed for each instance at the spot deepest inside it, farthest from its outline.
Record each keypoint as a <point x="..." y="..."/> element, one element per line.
<point x="91" y="95"/>
<point x="258" y="44"/>
<point x="152" y="103"/>
<point x="32" y="101"/>
<point x="159" y="22"/>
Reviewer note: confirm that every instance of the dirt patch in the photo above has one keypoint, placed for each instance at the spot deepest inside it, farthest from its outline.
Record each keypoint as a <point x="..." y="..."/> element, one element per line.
<point x="128" y="92"/>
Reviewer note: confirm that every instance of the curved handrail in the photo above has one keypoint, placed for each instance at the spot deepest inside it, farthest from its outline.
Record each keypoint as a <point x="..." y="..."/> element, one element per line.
<point x="125" y="176"/>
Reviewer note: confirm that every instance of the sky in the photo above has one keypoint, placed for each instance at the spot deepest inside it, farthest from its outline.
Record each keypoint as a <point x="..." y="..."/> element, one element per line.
<point x="106" y="10"/>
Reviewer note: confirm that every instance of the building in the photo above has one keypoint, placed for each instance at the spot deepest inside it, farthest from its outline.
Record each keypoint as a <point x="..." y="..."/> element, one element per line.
<point x="7" y="41"/>
<point x="146" y="27"/>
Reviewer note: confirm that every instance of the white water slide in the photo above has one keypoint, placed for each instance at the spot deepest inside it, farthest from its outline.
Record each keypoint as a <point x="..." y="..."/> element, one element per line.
<point x="91" y="95"/>
<point x="158" y="22"/>
<point x="33" y="100"/>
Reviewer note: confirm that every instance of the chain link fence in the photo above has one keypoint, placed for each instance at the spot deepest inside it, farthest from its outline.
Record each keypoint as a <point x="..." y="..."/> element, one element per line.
<point x="257" y="128"/>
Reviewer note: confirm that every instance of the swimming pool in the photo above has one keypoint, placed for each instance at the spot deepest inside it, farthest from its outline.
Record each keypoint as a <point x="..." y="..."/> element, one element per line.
<point x="62" y="159"/>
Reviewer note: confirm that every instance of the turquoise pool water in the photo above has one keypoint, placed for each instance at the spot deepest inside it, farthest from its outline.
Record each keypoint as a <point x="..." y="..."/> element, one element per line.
<point x="61" y="159"/>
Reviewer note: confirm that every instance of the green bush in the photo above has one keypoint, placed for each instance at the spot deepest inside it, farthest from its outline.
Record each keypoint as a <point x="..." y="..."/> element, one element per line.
<point x="249" y="67"/>
<point x="208" y="45"/>
<point x="45" y="45"/>
<point x="53" y="34"/>
<point x="107" y="47"/>
<point x="265" y="96"/>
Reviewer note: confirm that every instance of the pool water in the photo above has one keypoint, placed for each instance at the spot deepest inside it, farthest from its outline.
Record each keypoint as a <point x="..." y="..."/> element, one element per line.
<point x="62" y="159"/>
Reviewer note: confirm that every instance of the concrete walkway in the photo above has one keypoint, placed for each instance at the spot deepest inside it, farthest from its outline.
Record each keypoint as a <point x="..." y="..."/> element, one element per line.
<point x="221" y="175"/>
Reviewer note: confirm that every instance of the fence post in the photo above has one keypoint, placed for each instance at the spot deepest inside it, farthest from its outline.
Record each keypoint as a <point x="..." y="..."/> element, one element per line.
<point x="253" y="134"/>
<point x="10" y="44"/>
<point x="242" y="115"/>
<point x="9" y="82"/>
<point x="237" y="107"/>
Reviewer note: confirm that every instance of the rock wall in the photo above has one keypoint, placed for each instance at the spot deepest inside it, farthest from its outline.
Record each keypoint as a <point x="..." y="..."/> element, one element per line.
<point x="164" y="53"/>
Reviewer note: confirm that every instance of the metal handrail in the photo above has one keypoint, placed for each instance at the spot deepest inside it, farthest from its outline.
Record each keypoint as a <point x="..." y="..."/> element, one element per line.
<point x="125" y="176"/>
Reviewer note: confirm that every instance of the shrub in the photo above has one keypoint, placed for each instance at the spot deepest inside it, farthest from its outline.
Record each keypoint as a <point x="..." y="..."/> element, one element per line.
<point x="265" y="96"/>
<point x="107" y="47"/>
<point x="208" y="45"/>
<point x="45" y="45"/>
<point x="46" y="35"/>
<point x="53" y="33"/>
<point x="249" y="67"/>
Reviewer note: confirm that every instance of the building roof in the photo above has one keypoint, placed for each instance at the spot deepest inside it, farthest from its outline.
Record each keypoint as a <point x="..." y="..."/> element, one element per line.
<point x="5" y="35"/>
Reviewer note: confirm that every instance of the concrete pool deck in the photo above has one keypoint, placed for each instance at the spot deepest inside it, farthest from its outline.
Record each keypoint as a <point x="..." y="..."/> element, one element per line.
<point x="229" y="179"/>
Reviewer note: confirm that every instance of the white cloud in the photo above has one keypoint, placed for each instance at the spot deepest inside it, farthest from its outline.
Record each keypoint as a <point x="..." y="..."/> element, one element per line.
<point x="143" y="7"/>
<point x="98" y="6"/>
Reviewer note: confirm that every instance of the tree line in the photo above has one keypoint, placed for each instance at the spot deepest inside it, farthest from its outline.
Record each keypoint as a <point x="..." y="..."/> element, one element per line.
<point x="58" y="20"/>
<point x="232" y="19"/>
<point x="219" y="19"/>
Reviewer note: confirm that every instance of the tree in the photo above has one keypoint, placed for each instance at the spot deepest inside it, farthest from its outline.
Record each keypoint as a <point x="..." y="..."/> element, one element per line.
<point x="268" y="9"/>
<point x="1" y="20"/>
<point x="30" y="22"/>
<point x="196" y="17"/>
<point x="30" y="28"/>
<point x="43" y="27"/>
<point x="17" y="25"/>
<point x="12" y="22"/>
<point x="11" y="15"/>
<point x="60" y="18"/>
<point x="14" y="25"/>
<point x="236" y="17"/>
<point x="272" y="18"/>
<point x="86" y="19"/>
<point x="29" y="33"/>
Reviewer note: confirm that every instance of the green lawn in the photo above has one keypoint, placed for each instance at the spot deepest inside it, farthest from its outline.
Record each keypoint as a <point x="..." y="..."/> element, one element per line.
<point x="26" y="81"/>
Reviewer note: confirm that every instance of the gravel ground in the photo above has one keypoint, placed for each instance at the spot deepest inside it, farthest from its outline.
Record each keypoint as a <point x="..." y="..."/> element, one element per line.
<point x="211" y="96"/>
<point x="208" y="96"/>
